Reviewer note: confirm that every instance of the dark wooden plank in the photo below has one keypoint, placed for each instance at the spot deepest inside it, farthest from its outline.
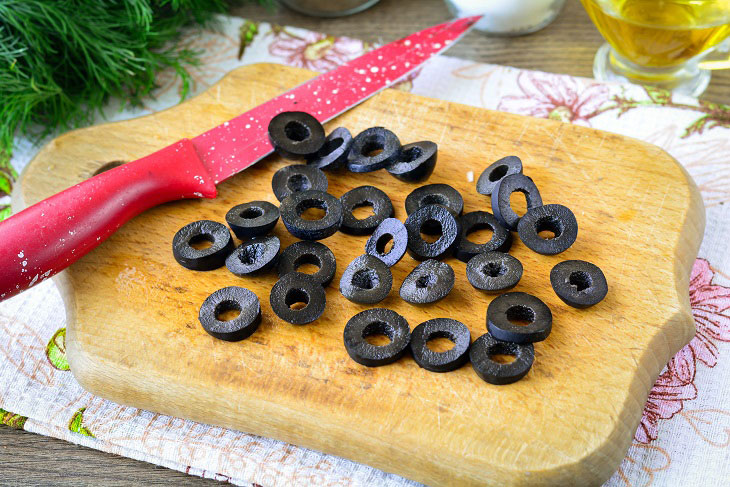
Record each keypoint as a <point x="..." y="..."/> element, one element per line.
<point x="28" y="459"/>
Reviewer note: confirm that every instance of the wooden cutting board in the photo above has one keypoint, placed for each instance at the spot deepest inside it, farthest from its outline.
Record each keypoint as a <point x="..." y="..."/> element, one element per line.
<point x="134" y="337"/>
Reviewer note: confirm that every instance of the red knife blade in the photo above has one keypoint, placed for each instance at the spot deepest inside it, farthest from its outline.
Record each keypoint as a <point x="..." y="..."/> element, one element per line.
<point x="325" y="97"/>
<point x="49" y="236"/>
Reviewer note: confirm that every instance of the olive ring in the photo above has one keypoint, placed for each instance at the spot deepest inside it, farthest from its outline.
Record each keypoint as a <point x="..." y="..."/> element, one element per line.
<point x="297" y="177"/>
<point x="205" y="259"/>
<point x="478" y="220"/>
<point x="231" y="299"/>
<point x="364" y="196"/>
<point x="307" y="252"/>
<point x="294" y="205"/>
<point x="295" y="135"/>
<point x="376" y="321"/>
<point x="252" y="219"/>
<point x="493" y="175"/>
<point x="449" y="360"/>
<point x="524" y="307"/>
<point x="501" y="198"/>
<point x="557" y="219"/>
<point x="579" y="283"/>
<point x="293" y="288"/>
<point x="489" y="370"/>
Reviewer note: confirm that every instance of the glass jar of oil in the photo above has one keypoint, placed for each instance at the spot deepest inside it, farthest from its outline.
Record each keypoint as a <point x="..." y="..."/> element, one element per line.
<point x="659" y="42"/>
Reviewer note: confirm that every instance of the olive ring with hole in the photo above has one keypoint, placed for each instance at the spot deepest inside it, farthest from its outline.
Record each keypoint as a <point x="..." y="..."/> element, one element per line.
<point x="295" y="178"/>
<point x="200" y="232"/>
<point x="312" y="253"/>
<point x="252" y="219"/>
<point x="512" y="307"/>
<point x="295" y="135"/>
<point x="435" y="216"/>
<point x="501" y="206"/>
<point x="452" y="359"/>
<point x="366" y="280"/>
<point x="294" y="205"/>
<point x="429" y="282"/>
<point x="493" y="271"/>
<point x="435" y="194"/>
<point x="361" y="197"/>
<point x="235" y="299"/>
<point x="390" y="230"/>
<point x="373" y="149"/>
<point x="558" y="220"/>
<point x="254" y="256"/>
<point x="480" y="220"/>
<point x="415" y="162"/>
<point x="579" y="283"/>
<point x="333" y="153"/>
<point x="295" y="288"/>
<point x="486" y="347"/>
<point x="492" y="175"/>
<point x="376" y="321"/>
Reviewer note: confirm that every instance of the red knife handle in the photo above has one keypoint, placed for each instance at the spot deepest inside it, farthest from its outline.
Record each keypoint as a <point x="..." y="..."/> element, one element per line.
<point x="49" y="236"/>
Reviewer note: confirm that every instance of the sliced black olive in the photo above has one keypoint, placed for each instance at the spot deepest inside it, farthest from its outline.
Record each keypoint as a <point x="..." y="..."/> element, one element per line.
<point x="482" y="356"/>
<point x="429" y="282"/>
<point x="358" y="198"/>
<point x="556" y="219"/>
<point x="494" y="271"/>
<point x="501" y="195"/>
<point x="296" y="135"/>
<point x="415" y="162"/>
<point x="366" y="280"/>
<point x="307" y="252"/>
<point x="295" y="178"/>
<point x="254" y="256"/>
<point x="452" y="359"/>
<point x="252" y="219"/>
<point x="434" y="216"/>
<point x="293" y="207"/>
<point x="492" y="175"/>
<point x="214" y="240"/>
<point x="390" y="230"/>
<point x="231" y="300"/>
<point x="333" y="153"/>
<point x="373" y="149"/>
<point x="376" y="321"/>
<point x="435" y="194"/>
<point x="479" y="220"/>
<point x="505" y="311"/>
<point x="579" y="283"/>
<point x="292" y="291"/>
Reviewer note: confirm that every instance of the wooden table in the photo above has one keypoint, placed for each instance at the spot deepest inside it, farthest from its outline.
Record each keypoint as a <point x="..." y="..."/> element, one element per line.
<point x="566" y="46"/>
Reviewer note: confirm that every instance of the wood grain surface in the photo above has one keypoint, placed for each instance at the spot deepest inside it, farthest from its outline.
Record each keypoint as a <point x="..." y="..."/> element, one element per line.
<point x="566" y="46"/>
<point x="132" y="310"/>
<point x="35" y="460"/>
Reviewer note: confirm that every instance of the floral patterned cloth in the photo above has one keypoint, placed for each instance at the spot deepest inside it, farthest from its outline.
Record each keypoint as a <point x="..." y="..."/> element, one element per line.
<point x="684" y="434"/>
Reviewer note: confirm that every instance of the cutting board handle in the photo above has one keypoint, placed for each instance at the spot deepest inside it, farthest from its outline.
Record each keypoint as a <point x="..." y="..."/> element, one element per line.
<point x="51" y="235"/>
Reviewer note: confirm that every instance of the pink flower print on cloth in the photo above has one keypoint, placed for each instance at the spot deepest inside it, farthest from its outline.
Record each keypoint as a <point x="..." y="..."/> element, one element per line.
<point x="314" y="51"/>
<point x="556" y="97"/>
<point x="711" y="310"/>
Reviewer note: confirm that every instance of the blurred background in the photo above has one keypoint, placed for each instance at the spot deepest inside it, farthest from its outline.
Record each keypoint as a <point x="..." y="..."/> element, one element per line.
<point x="568" y="45"/>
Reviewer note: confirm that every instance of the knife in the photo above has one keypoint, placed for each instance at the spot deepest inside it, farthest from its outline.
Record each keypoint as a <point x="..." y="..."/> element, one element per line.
<point x="47" y="237"/>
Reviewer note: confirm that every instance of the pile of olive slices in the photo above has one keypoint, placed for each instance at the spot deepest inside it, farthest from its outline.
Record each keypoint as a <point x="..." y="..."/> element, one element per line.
<point x="515" y="320"/>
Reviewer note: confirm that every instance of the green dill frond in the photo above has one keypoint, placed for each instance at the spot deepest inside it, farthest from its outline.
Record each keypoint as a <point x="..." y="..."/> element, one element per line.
<point x="61" y="60"/>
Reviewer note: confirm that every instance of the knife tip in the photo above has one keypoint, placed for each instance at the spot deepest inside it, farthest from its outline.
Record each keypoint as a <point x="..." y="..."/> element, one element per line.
<point x="469" y="21"/>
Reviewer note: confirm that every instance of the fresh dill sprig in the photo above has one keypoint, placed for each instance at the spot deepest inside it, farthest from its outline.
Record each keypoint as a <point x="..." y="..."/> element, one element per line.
<point x="61" y="60"/>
